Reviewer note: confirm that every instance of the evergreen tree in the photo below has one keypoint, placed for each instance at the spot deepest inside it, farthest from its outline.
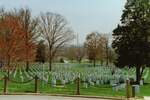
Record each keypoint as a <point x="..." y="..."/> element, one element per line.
<point x="131" y="37"/>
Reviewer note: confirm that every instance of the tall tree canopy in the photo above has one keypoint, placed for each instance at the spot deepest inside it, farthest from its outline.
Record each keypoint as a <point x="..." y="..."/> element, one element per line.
<point x="10" y="34"/>
<point x="131" y="37"/>
<point x="95" y="45"/>
<point x="17" y="35"/>
<point x="29" y="28"/>
<point x="56" y="33"/>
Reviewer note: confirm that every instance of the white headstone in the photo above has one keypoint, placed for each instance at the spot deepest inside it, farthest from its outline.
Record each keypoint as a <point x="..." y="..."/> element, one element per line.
<point x="141" y="82"/>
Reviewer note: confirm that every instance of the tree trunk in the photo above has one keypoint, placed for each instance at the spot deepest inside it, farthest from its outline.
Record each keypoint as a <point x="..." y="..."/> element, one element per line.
<point x="50" y="64"/>
<point x="107" y="59"/>
<point x="27" y="66"/>
<point x="50" y="58"/>
<point x="141" y="73"/>
<point x="71" y="60"/>
<point x="138" y="74"/>
<point x="101" y="62"/>
<point x="94" y="62"/>
<point x="27" y="51"/>
<point x="79" y="61"/>
<point x="8" y="65"/>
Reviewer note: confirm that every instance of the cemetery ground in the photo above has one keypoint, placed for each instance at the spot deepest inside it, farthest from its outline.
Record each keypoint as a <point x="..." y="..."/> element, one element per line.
<point x="62" y="80"/>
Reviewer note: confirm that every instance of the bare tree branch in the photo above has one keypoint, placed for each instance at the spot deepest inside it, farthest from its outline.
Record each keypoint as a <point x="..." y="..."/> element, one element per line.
<point x="55" y="31"/>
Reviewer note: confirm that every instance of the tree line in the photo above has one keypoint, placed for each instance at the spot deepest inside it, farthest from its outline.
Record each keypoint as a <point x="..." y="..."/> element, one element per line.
<point x="20" y="33"/>
<point x="27" y="38"/>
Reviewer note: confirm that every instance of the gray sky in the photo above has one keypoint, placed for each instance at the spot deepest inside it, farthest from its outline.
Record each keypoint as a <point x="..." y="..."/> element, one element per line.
<point x="84" y="16"/>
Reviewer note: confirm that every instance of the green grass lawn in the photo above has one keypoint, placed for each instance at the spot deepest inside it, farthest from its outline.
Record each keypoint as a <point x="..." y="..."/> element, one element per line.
<point x="70" y="89"/>
<point x="144" y="90"/>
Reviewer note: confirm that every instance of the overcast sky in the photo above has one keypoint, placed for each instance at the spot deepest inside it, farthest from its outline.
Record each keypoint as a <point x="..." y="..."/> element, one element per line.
<point x="84" y="16"/>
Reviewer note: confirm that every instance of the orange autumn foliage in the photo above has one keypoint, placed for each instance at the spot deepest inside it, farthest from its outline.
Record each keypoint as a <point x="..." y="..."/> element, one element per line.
<point x="12" y="41"/>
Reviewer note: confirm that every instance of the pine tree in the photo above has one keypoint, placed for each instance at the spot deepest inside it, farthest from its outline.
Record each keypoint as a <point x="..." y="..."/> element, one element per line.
<point x="131" y="37"/>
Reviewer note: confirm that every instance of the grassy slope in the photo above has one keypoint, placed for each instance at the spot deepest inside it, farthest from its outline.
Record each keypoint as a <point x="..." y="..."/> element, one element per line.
<point x="103" y="90"/>
<point x="70" y="89"/>
<point x="145" y="89"/>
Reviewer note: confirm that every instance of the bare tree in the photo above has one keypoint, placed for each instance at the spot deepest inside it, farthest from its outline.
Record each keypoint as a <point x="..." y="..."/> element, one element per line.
<point x="80" y="53"/>
<point x="97" y="47"/>
<point x="105" y="47"/>
<point x="92" y="45"/>
<point x="111" y="55"/>
<point x="74" y="53"/>
<point x="108" y="53"/>
<point x="8" y="37"/>
<point x="55" y="31"/>
<point x="29" y="27"/>
<point x="70" y="53"/>
<point x="12" y="36"/>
